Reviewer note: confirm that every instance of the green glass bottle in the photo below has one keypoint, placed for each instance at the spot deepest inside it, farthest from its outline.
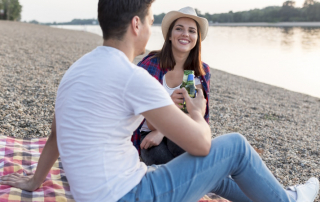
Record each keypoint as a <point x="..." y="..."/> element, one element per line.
<point x="185" y="77"/>
<point x="191" y="88"/>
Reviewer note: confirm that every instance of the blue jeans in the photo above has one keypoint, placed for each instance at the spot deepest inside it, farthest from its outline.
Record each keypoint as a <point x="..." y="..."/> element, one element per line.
<point x="188" y="178"/>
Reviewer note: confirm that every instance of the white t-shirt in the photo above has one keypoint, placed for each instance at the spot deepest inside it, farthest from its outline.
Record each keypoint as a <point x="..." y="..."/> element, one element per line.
<point x="169" y="90"/>
<point x="98" y="106"/>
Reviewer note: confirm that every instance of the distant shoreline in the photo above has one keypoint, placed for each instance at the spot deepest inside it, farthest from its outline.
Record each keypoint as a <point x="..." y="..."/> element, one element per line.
<point x="241" y="24"/>
<point x="264" y="24"/>
<point x="267" y="24"/>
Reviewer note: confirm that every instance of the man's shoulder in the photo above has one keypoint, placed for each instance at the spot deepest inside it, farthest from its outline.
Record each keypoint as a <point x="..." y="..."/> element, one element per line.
<point x="110" y="59"/>
<point x="101" y="64"/>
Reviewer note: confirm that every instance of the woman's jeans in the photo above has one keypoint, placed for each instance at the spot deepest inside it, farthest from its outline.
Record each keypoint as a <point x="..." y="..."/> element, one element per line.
<point x="188" y="178"/>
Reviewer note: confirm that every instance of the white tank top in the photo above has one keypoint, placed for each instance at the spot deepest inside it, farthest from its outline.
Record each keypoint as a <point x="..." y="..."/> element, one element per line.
<point x="170" y="91"/>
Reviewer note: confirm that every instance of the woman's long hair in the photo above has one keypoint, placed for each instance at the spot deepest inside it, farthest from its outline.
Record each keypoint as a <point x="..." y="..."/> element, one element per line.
<point x="193" y="61"/>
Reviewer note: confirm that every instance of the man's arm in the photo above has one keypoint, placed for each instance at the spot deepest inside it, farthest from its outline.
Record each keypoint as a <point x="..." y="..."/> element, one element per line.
<point x="192" y="133"/>
<point x="48" y="157"/>
<point x="177" y="98"/>
<point x="150" y="126"/>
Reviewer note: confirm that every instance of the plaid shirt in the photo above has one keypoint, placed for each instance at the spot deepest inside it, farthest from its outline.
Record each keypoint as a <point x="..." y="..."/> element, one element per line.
<point x="152" y="65"/>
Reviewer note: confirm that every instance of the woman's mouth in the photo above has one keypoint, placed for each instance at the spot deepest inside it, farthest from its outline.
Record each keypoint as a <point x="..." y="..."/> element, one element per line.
<point x="184" y="42"/>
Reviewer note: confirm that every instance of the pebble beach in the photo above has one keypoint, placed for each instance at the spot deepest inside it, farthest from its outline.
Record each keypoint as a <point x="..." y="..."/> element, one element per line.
<point x="283" y="126"/>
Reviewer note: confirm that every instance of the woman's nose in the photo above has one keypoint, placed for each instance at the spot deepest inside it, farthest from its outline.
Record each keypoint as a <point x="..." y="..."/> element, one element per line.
<point x="185" y="33"/>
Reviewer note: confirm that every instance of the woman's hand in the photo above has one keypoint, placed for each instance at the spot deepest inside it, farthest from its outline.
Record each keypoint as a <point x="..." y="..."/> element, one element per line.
<point x="177" y="98"/>
<point x="154" y="138"/>
<point x="20" y="181"/>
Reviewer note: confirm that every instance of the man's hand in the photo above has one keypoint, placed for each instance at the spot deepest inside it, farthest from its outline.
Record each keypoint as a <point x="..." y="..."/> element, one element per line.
<point x="20" y="181"/>
<point x="48" y="157"/>
<point x="154" y="138"/>
<point x="177" y="98"/>
<point x="195" y="104"/>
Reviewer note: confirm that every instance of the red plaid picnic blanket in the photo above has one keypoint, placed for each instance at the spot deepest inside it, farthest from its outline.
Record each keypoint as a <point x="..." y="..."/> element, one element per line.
<point x="21" y="155"/>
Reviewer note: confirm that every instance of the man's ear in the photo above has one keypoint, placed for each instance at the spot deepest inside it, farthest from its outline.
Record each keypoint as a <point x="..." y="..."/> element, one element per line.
<point x="135" y="25"/>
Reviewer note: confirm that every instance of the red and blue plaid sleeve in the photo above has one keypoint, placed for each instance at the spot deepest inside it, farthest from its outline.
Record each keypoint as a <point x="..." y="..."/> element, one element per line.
<point x="152" y="65"/>
<point x="205" y="80"/>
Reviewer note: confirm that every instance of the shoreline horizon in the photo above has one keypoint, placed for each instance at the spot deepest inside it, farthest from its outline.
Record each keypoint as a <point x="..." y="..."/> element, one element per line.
<point x="231" y="24"/>
<point x="264" y="24"/>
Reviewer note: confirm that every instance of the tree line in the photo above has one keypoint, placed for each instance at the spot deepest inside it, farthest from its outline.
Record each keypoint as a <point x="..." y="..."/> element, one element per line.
<point x="310" y="12"/>
<point x="10" y="10"/>
<point x="72" y="22"/>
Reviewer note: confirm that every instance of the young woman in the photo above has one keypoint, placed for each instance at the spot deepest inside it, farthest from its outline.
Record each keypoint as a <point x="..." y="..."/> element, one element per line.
<point x="183" y="33"/>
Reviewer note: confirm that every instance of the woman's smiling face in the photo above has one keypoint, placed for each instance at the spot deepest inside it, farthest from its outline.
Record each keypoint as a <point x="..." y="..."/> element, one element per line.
<point x="184" y="35"/>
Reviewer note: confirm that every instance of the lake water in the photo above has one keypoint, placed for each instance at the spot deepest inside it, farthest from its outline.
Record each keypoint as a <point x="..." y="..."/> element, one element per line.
<point x="284" y="57"/>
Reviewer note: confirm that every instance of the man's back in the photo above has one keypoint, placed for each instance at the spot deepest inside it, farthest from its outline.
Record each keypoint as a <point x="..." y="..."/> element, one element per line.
<point x="97" y="109"/>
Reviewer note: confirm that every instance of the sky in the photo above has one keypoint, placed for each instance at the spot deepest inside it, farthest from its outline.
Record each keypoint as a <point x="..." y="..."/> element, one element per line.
<point x="67" y="10"/>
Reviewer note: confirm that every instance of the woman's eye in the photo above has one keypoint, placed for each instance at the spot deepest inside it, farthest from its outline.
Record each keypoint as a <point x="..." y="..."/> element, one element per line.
<point x="192" y="31"/>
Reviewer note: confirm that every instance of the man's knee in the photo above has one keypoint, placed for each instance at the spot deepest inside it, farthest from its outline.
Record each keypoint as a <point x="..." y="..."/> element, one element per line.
<point x="231" y="139"/>
<point x="238" y="137"/>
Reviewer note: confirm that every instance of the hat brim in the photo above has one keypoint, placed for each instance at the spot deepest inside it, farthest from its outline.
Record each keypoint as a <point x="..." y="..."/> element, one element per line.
<point x="173" y="15"/>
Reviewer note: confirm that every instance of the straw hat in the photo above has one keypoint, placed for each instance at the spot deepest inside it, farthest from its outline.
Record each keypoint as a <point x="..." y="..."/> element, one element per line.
<point x="184" y="12"/>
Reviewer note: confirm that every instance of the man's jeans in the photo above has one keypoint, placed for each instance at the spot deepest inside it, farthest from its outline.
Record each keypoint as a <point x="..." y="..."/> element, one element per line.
<point x="188" y="178"/>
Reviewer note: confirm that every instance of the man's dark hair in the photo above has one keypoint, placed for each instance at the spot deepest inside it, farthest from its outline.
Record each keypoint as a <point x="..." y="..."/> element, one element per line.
<point x="115" y="15"/>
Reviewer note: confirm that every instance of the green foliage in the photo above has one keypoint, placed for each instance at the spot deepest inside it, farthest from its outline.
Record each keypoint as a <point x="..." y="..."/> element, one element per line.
<point x="308" y="3"/>
<point x="289" y="4"/>
<point x="76" y="22"/>
<point x="34" y="22"/>
<point x="84" y="22"/>
<point x="287" y="13"/>
<point x="10" y="10"/>
<point x="310" y="12"/>
<point x="158" y="18"/>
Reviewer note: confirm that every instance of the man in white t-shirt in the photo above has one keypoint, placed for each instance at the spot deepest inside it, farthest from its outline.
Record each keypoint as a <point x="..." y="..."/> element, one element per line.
<point x="102" y="99"/>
